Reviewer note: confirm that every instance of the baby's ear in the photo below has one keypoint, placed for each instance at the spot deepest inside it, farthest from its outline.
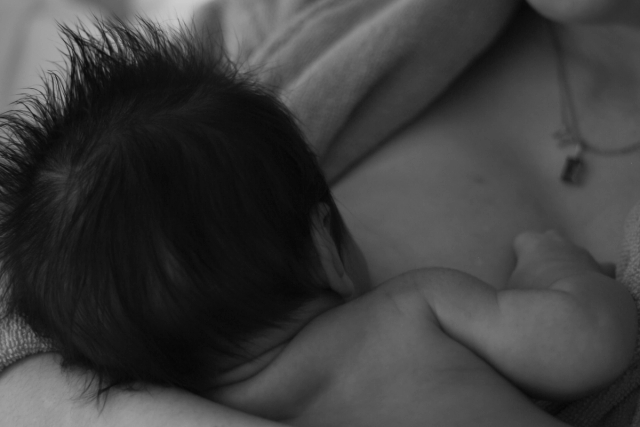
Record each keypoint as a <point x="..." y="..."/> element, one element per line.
<point x="328" y="255"/>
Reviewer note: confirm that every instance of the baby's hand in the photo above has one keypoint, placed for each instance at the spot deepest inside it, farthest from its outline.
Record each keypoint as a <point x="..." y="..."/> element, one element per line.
<point x="565" y="329"/>
<point x="545" y="258"/>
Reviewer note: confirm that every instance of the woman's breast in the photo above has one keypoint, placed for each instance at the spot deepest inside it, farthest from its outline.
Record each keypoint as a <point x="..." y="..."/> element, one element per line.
<point x="455" y="191"/>
<point x="418" y="204"/>
<point x="455" y="187"/>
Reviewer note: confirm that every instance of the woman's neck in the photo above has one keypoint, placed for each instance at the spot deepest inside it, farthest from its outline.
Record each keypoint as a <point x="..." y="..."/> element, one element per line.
<point x="611" y="51"/>
<point x="603" y="73"/>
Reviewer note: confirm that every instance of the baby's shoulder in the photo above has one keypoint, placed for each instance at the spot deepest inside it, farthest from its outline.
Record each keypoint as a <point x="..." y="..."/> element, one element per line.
<point x="400" y="306"/>
<point x="388" y="336"/>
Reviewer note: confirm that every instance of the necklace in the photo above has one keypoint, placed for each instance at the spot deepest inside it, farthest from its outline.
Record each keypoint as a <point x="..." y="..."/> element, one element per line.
<point x="569" y="135"/>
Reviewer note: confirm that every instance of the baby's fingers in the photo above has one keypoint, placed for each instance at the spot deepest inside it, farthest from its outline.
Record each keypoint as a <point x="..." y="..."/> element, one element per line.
<point x="529" y="241"/>
<point x="547" y="249"/>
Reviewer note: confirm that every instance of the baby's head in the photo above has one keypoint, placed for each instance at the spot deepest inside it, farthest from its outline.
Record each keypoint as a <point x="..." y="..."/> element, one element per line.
<point x="158" y="209"/>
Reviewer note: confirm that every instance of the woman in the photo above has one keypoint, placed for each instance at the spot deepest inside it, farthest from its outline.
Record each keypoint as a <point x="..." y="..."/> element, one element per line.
<point x="454" y="186"/>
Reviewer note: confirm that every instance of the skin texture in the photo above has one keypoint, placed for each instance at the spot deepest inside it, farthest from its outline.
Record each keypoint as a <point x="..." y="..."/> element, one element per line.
<point x="421" y="335"/>
<point x="54" y="396"/>
<point x="482" y="165"/>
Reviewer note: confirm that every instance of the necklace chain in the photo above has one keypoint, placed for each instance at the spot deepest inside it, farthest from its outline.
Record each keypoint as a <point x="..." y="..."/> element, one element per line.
<point x="569" y="135"/>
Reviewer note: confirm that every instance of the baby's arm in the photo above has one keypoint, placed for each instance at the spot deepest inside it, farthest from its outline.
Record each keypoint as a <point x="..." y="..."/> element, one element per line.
<point x="560" y="330"/>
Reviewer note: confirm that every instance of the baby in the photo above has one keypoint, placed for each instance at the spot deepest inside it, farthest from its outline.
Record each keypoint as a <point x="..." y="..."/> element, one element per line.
<point x="163" y="221"/>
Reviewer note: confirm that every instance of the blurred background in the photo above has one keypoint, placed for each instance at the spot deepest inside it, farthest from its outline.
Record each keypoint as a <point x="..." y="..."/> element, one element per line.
<point x="29" y="40"/>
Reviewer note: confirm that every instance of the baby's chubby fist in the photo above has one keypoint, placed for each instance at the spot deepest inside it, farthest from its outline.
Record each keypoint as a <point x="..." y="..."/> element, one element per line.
<point x="544" y="258"/>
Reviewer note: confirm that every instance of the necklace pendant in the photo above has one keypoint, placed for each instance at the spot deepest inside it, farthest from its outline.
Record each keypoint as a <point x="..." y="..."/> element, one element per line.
<point x="573" y="170"/>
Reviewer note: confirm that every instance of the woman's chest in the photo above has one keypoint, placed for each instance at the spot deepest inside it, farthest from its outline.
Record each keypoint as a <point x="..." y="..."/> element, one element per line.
<point x="457" y="187"/>
<point x="447" y="204"/>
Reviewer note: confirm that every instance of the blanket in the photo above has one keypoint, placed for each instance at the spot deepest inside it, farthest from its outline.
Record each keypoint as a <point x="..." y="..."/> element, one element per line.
<point x="354" y="71"/>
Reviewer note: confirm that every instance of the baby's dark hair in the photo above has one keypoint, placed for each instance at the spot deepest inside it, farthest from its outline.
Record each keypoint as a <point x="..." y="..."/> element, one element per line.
<point x="156" y="208"/>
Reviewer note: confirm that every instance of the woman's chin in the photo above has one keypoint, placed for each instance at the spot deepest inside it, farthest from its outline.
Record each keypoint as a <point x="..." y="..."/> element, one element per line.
<point x="589" y="11"/>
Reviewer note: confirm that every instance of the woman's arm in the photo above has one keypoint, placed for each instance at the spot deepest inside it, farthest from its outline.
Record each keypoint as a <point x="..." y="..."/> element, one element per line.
<point x="355" y="72"/>
<point x="561" y="330"/>
<point x="36" y="393"/>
